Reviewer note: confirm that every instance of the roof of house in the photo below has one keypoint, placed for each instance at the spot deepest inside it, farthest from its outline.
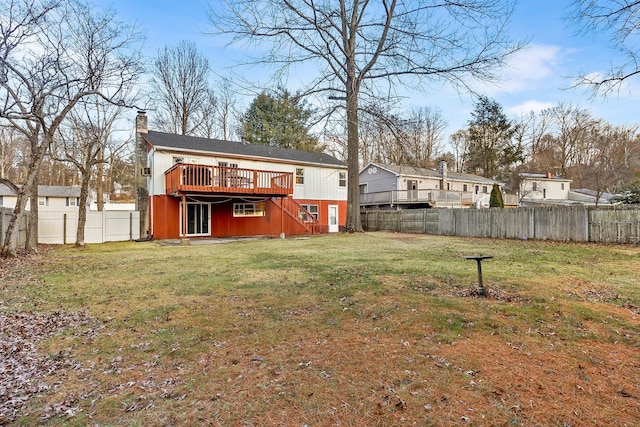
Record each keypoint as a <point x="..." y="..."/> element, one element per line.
<point x="46" y="191"/>
<point x="543" y="176"/>
<point x="218" y="146"/>
<point x="433" y="173"/>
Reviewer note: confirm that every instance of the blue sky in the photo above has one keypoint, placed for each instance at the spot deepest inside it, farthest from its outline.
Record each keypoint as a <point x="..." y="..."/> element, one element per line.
<point x="537" y="77"/>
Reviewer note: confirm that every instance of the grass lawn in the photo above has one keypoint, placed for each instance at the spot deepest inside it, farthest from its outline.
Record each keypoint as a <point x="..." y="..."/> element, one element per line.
<point x="374" y="329"/>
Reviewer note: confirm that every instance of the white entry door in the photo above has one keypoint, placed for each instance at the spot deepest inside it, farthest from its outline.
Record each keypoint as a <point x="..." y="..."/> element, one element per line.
<point x="333" y="219"/>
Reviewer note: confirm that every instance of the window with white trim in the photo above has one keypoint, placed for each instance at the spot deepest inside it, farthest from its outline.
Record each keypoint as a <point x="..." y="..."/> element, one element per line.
<point x="249" y="209"/>
<point x="342" y="179"/>
<point x="299" y="175"/>
<point x="71" y="201"/>
<point x="43" y="201"/>
<point x="312" y="209"/>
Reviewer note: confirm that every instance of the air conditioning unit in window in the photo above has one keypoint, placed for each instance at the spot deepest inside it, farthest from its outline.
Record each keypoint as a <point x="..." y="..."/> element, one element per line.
<point x="146" y="171"/>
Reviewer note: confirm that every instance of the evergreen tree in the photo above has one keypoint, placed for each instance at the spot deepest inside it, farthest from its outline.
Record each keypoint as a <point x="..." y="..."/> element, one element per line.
<point x="495" y="200"/>
<point x="628" y="194"/>
<point x="279" y="120"/>
<point x="491" y="150"/>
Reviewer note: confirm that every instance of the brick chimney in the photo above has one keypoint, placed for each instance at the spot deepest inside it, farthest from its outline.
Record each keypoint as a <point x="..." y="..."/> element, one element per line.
<point x="141" y="179"/>
<point x="442" y="164"/>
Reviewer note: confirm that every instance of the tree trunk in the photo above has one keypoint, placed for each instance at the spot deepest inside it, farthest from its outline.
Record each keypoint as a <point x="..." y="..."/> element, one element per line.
<point x="82" y="206"/>
<point x="99" y="184"/>
<point x="13" y="230"/>
<point x="31" y="245"/>
<point x="353" y="158"/>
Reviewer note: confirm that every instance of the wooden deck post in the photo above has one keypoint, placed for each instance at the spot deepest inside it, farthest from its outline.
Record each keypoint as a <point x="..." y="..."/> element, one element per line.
<point x="282" y="217"/>
<point x="184" y="216"/>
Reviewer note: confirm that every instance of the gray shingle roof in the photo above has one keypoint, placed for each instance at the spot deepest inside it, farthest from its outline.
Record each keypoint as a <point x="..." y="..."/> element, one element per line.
<point x="218" y="146"/>
<point x="46" y="191"/>
<point x="433" y="173"/>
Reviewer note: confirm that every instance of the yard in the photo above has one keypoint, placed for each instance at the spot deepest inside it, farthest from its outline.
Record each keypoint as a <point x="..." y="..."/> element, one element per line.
<point x="374" y="329"/>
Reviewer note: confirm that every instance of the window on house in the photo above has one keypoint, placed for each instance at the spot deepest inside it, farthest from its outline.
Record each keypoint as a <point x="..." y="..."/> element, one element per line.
<point x="342" y="179"/>
<point x="249" y="209"/>
<point x="44" y="201"/>
<point x="1" y="200"/>
<point x="544" y="193"/>
<point x="448" y="186"/>
<point x="562" y="185"/>
<point x="484" y="189"/>
<point x="299" y="175"/>
<point x="312" y="209"/>
<point x="534" y="186"/>
<point x="477" y="189"/>
<point x="71" y="201"/>
<point x="364" y="188"/>
<point x="464" y="187"/>
<point x="177" y="159"/>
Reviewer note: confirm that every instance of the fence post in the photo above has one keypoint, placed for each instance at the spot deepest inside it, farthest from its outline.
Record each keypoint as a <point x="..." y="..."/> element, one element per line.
<point x="64" y="229"/>
<point x="130" y="226"/>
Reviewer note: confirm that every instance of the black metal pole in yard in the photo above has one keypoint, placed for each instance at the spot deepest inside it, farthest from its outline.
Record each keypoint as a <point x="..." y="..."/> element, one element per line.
<point x="478" y="259"/>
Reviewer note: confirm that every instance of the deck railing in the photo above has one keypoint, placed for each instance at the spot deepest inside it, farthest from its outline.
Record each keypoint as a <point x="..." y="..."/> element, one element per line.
<point x="222" y="179"/>
<point x="435" y="198"/>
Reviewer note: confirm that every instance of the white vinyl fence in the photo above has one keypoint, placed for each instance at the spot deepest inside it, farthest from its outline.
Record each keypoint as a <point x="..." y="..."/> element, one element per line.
<point x="61" y="227"/>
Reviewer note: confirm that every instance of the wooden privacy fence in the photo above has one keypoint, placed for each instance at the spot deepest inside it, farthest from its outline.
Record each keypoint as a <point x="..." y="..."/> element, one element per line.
<point x="577" y="224"/>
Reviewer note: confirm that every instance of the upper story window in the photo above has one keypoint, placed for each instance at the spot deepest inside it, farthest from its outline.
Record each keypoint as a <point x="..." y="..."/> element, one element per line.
<point x="72" y="201"/>
<point x="484" y="189"/>
<point x="534" y="186"/>
<point x="299" y="175"/>
<point x="562" y="185"/>
<point x="177" y="159"/>
<point x="342" y="179"/>
<point x="464" y="187"/>
<point x="1" y="201"/>
<point x="43" y="201"/>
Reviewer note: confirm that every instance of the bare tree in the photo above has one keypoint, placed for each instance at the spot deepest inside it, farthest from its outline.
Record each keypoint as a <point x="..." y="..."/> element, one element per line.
<point x="52" y="55"/>
<point x="459" y="141"/>
<point x="364" y="48"/>
<point x="226" y="112"/>
<point x="621" y="20"/>
<point x="86" y="143"/>
<point x="425" y="128"/>
<point x="180" y="88"/>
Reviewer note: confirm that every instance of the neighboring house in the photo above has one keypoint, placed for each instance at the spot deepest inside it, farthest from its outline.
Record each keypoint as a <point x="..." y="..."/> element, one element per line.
<point x="385" y="186"/>
<point x="590" y="197"/>
<point x="198" y="187"/>
<point x="544" y="189"/>
<point x="50" y="197"/>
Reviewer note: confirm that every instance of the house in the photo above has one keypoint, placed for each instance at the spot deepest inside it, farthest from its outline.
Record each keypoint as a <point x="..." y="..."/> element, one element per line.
<point x="385" y="186"/>
<point x="197" y="187"/>
<point x="50" y="197"/>
<point x="543" y="189"/>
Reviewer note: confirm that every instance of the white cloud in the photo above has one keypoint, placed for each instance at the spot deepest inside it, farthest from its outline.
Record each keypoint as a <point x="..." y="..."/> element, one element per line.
<point x="534" y="67"/>
<point x="529" y="106"/>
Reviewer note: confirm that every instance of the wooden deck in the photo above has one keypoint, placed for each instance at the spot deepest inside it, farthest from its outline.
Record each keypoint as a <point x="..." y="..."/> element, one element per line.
<point x="190" y="178"/>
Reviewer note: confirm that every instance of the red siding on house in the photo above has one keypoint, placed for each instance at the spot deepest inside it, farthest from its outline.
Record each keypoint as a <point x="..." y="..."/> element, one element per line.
<point x="166" y="217"/>
<point x="323" y="209"/>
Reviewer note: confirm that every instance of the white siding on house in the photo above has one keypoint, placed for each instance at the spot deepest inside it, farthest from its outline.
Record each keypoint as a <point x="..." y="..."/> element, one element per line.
<point x="320" y="183"/>
<point x="51" y="204"/>
<point x="545" y="188"/>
